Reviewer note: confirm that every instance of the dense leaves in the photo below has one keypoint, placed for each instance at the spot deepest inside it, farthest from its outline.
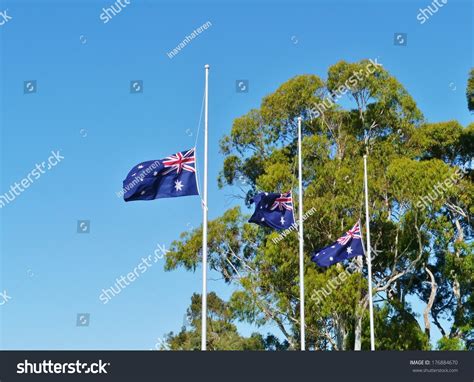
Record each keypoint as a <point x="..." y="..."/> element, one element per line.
<point x="470" y="91"/>
<point x="221" y="331"/>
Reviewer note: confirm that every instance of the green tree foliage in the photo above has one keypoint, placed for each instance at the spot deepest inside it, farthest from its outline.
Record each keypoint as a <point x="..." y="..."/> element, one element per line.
<point x="221" y="331"/>
<point x="470" y="91"/>
<point x="450" y="344"/>
<point x="421" y="202"/>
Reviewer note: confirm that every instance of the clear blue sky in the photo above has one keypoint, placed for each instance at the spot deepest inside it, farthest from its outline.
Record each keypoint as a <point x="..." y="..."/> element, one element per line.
<point x="52" y="272"/>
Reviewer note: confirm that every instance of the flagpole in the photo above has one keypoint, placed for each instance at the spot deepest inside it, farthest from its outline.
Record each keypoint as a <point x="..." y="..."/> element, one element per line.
<point x="369" y="259"/>
<point x="204" y="222"/>
<point x="300" y="218"/>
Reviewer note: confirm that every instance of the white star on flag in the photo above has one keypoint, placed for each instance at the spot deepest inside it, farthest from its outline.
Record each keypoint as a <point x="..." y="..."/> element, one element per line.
<point x="282" y="220"/>
<point x="178" y="185"/>
<point x="349" y="250"/>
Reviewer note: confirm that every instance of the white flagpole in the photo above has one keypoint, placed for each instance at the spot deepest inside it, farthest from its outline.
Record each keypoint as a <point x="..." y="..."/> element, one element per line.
<point x="369" y="259"/>
<point x="300" y="213"/>
<point x="204" y="224"/>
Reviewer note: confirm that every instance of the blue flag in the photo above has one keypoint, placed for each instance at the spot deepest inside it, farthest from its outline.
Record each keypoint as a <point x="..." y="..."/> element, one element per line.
<point x="273" y="210"/>
<point x="165" y="178"/>
<point x="346" y="247"/>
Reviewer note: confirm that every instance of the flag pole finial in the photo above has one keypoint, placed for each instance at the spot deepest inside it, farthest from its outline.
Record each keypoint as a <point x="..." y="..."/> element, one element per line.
<point x="207" y="66"/>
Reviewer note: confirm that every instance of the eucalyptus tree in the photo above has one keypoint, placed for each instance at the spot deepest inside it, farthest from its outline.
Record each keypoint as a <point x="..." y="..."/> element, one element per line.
<point x="421" y="226"/>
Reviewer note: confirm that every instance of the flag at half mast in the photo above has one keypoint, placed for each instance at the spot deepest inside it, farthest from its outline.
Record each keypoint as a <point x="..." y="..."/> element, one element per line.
<point x="171" y="177"/>
<point x="273" y="210"/>
<point x="347" y="246"/>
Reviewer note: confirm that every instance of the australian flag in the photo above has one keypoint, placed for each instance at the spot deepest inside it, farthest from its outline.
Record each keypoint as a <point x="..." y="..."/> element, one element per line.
<point x="273" y="210"/>
<point x="165" y="178"/>
<point x="346" y="247"/>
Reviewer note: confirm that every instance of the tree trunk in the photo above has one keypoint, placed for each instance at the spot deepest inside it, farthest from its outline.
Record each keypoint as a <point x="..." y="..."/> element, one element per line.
<point x="358" y="333"/>
<point x="427" y="311"/>
<point x="341" y="335"/>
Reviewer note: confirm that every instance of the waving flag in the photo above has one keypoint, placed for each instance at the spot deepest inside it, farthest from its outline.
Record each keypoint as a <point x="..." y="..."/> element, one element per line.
<point x="346" y="247"/>
<point x="166" y="178"/>
<point x="273" y="210"/>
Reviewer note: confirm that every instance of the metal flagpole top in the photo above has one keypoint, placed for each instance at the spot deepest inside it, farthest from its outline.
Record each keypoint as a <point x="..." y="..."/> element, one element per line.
<point x="207" y="66"/>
